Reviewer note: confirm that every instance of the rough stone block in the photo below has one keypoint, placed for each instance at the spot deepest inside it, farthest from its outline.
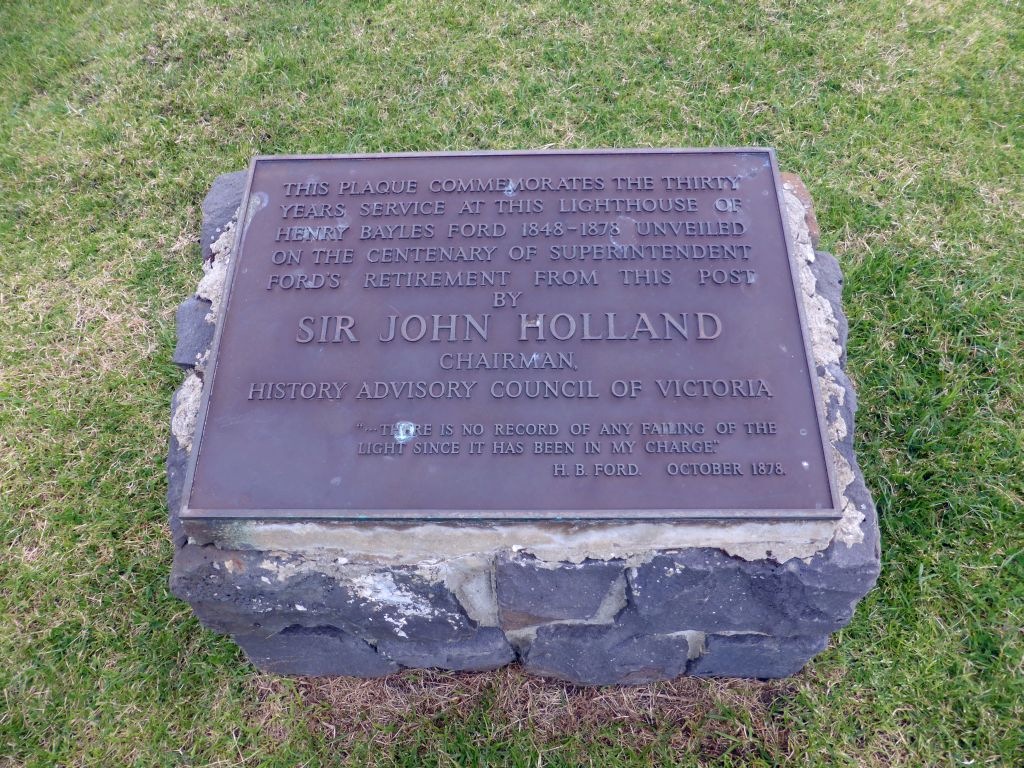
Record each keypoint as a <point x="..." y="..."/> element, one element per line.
<point x="829" y="276"/>
<point x="239" y="591"/>
<point x="757" y="656"/>
<point x="532" y="592"/>
<point x="195" y="335"/>
<point x="487" y="649"/>
<point x="588" y="654"/>
<point x="219" y="206"/>
<point x="317" y="650"/>
<point x="709" y="591"/>
<point x="177" y="461"/>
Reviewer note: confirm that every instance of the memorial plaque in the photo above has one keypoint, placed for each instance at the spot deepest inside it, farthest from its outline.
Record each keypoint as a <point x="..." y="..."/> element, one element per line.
<point x="515" y="336"/>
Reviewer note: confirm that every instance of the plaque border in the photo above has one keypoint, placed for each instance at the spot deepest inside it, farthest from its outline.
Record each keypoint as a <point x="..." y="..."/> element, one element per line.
<point x="406" y="516"/>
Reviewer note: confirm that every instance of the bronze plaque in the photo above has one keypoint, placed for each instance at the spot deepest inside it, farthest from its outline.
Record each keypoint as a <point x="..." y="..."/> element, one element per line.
<point x="515" y="336"/>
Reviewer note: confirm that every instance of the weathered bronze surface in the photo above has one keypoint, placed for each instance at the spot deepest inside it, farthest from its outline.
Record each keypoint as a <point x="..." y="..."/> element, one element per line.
<point x="535" y="335"/>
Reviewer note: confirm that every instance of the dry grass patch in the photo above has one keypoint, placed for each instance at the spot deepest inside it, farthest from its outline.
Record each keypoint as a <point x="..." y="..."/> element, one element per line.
<point x="697" y="716"/>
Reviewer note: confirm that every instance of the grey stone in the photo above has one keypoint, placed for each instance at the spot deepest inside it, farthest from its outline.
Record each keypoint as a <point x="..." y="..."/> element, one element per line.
<point x="709" y="591"/>
<point x="319" y="650"/>
<point x="219" y="207"/>
<point x="844" y="409"/>
<point x="239" y="591"/>
<point x="531" y="592"/>
<point x="621" y="653"/>
<point x="863" y="559"/>
<point x="756" y="655"/>
<point x="866" y="555"/>
<point x="487" y="649"/>
<point x="856" y="566"/>
<point x="177" y="461"/>
<point x="195" y="335"/>
<point x="829" y="277"/>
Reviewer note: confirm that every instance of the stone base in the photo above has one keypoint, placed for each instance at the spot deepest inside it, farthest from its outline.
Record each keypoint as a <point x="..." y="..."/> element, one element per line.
<point x="591" y="604"/>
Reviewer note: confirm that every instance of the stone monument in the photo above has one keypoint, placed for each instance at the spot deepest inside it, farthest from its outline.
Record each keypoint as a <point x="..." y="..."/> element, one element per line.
<point x="586" y="410"/>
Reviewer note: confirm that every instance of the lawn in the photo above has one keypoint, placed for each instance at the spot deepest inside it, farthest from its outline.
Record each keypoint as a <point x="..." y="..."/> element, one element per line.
<point x="904" y="117"/>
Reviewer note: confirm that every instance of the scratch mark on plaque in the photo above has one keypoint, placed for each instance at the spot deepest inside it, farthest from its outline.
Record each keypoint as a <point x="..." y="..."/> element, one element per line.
<point x="404" y="431"/>
<point x="611" y="235"/>
<point x="257" y="202"/>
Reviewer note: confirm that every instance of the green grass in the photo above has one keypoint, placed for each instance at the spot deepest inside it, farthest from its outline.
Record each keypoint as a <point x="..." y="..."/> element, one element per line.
<point x="904" y="118"/>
